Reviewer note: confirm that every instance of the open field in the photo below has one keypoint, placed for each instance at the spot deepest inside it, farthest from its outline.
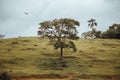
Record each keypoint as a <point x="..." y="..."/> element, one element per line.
<point x="31" y="59"/>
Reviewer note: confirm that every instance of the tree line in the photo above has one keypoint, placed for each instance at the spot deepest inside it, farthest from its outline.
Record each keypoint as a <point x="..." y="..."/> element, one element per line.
<point x="113" y="31"/>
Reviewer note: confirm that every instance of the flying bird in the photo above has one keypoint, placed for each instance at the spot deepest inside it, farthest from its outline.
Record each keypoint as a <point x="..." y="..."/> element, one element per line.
<point x="26" y="13"/>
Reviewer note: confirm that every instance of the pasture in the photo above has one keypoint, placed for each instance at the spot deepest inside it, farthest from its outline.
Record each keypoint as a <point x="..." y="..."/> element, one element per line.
<point x="30" y="57"/>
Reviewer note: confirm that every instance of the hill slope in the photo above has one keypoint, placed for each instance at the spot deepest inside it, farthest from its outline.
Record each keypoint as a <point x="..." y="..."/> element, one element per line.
<point x="32" y="56"/>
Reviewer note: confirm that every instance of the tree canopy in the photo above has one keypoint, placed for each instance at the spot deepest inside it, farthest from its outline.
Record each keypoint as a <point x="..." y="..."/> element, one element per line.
<point x="61" y="30"/>
<point x="112" y="32"/>
<point x="92" y="23"/>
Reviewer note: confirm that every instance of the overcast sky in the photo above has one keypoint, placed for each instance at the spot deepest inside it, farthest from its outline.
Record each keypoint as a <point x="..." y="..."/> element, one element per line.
<point x="14" y="22"/>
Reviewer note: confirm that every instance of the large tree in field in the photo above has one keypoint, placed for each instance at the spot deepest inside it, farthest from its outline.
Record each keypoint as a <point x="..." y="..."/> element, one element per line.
<point x="92" y="24"/>
<point x="62" y="30"/>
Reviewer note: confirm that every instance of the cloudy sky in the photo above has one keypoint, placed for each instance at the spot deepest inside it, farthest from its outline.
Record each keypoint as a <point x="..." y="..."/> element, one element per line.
<point x="14" y="22"/>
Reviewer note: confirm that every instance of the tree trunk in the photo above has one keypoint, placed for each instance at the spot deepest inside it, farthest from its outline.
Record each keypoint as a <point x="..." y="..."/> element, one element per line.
<point x="61" y="55"/>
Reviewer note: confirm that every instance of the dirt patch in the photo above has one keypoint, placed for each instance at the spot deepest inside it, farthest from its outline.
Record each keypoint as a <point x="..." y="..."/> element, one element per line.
<point x="42" y="76"/>
<point x="115" y="77"/>
<point x="65" y="77"/>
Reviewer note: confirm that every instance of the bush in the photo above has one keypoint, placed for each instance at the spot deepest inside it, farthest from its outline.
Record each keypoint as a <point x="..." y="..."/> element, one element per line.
<point x="5" y="76"/>
<point x="15" y="42"/>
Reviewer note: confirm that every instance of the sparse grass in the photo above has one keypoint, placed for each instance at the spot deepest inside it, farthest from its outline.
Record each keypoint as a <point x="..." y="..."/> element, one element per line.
<point x="32" y="56"/>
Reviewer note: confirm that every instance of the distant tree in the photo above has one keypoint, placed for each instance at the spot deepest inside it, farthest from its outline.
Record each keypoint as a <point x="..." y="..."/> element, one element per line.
<point x="97" y="34"/>
<point x="86" y="35"/>
<point x="112" y="32"/>
<point x="2" y="36"/>
<point x="115" y="30"/>
<point x="92" y="23"/>
<point x="104" y="35"/>
<point x="61" y="30"/>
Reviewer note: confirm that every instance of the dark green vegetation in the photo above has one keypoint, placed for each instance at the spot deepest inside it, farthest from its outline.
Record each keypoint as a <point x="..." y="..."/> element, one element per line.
<point x="5" y="76"/>
<point x="33" y="56"/>
<point x="113" y="32"/>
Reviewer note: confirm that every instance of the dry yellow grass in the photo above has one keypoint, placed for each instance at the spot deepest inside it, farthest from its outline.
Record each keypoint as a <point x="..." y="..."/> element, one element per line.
<point x="32" y="56"/>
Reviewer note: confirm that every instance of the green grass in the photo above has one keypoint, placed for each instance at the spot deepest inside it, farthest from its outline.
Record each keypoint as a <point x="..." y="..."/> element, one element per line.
<point x="32" y="56"/>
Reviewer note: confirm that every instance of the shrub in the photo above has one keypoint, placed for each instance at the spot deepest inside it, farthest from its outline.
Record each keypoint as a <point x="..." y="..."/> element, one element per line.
<point x="15" y="42"/>
<point x="5" y="76"/>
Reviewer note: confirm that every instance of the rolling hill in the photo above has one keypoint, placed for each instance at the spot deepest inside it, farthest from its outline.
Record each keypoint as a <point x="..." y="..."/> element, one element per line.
<point x="96" y="59"/>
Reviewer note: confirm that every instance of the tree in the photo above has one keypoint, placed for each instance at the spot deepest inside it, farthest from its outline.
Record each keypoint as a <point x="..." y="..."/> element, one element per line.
<point x="97" y="34"/>
<point x="62" y="30"/>
<point x="2" y="36"/>
<point x="92" y="23"/>
<point x="112" y="32"/>
<point x="86" y="35"/>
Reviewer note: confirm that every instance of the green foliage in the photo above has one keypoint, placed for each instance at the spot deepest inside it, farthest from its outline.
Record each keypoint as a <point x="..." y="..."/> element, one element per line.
<point x="72" y="45"/>
<point x="58" y="28"/>
<point x="97" y="34"/>
<point x="69" y="44"/>
<point x="86" y="34"/>
<point x="92" y="23"/>
<point x="59" y="31"/>
<point x="112" y="32"/>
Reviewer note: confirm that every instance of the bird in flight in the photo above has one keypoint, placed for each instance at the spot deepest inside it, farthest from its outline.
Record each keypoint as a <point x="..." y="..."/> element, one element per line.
<point x="26" y="13"/>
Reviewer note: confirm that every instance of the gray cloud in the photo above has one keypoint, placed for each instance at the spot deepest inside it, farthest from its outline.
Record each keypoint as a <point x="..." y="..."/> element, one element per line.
<point x="13" y="21"/>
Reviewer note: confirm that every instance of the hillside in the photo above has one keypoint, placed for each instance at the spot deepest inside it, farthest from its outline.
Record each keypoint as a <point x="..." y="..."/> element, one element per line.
<point x="98" y="58"/>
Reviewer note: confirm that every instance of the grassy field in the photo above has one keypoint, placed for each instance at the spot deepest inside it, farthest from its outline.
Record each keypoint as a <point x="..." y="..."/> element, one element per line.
<point x="94" y="60"/>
